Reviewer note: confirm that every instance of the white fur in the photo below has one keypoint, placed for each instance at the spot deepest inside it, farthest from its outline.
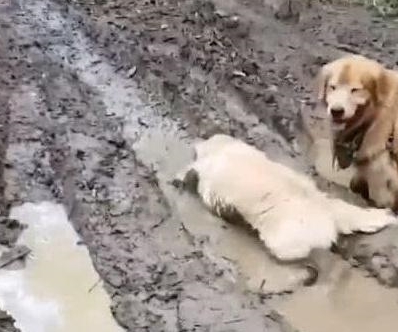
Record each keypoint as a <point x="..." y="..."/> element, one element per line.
<point x="342" y="97"/>
<point x="290" y="213"/>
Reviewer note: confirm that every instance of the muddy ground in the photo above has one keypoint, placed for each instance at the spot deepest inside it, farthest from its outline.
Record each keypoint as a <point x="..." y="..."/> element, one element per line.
<point x="83" y="81"/>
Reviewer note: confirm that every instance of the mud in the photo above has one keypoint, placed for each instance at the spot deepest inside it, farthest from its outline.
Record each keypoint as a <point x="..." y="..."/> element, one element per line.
<point x="338" y="302"/>
<point x="101" y="101"/>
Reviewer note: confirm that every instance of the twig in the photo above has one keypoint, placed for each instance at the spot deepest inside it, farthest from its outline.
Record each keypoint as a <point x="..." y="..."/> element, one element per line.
<point x="19" y="253"/>
<point x="191" y="238"/>
<point x="95" y="285"/>
<point x="162" y="220"/>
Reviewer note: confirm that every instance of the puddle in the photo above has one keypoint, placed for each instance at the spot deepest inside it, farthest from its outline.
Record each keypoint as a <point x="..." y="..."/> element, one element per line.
<point x="346" y="302"/>
<point x="59" y="290"/>
<point x="169" y="153"/>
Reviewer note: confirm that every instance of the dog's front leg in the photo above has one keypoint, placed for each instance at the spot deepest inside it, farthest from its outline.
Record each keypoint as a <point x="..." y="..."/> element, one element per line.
<point x="376" y="138"/>
<point x="394" y="147"/>
<point x="359" y="185"/>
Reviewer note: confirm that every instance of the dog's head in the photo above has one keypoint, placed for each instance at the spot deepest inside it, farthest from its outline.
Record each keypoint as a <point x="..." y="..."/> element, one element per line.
<point x="352" y="87"/>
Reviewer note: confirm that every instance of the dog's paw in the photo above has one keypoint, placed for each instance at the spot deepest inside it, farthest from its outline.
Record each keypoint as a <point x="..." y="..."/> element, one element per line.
<point x="364" y="155"/>
<point x="177" y="183"/>
<point x="375" y="220"/>
<point x="313" y="275"/>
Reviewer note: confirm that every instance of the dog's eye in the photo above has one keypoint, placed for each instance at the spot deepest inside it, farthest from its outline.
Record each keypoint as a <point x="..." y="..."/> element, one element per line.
<point x="353" y="90"/>
<point x="332" y="87"/>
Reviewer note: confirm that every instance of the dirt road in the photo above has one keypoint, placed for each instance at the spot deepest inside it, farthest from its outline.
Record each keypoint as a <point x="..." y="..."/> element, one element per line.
<point x="100" y="103"/>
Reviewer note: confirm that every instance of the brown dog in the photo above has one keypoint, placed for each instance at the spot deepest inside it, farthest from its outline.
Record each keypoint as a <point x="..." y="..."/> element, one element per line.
<point x="361" y="97"/>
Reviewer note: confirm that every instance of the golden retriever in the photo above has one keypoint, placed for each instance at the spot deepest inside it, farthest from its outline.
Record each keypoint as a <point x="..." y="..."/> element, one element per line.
<point x="290" y="214"/>
<point x="361" y="97"/>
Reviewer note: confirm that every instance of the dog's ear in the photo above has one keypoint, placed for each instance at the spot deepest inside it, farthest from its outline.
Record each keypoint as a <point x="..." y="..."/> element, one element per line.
<point x="378" y="84"/>
<point x="383" y="86"/>
<point x="321" y="81"/>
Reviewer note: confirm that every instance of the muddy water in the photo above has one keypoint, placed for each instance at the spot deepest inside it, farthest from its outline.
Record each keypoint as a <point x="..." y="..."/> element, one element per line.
<point x="164" y="147"/>
<point x="346" y="301"/>
<point x="59" y="290"/>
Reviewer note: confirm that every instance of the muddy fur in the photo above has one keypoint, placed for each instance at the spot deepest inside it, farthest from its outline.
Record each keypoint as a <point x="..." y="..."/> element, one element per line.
<point x="231" y="214"/>
<point x="366" y="93"/>
<point x="292" y="217"/>
<point x="228" y="212"/>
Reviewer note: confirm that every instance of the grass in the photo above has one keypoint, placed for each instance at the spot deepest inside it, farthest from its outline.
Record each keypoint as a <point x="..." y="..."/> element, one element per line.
<point x="387" y="8"/>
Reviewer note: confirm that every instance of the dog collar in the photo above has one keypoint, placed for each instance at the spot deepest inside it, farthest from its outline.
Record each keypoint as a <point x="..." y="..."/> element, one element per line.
<point x="344" y="150"/>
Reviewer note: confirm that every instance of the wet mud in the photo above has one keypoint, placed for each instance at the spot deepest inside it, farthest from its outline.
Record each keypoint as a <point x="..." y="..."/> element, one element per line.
<point x="101" y="102"/>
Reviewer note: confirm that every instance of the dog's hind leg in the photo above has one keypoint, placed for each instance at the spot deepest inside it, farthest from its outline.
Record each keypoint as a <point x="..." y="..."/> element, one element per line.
<point x="350" y="218"/>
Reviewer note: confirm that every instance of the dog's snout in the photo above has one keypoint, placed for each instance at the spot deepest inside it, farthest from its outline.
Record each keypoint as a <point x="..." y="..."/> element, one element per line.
<point x="337" y="112"/>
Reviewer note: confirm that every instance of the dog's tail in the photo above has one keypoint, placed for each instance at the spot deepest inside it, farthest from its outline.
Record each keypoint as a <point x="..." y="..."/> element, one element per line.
<point x="350" y="218"/>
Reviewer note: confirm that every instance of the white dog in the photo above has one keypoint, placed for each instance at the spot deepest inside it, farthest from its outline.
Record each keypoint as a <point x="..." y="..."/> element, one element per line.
<point x="291" y="215"/>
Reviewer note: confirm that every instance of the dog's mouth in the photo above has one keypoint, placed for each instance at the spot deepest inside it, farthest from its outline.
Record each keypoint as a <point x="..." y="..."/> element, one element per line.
<point x="339" y="121"/>
<point x="359" y="114"/>
<point x="338" y="117"/>
<point x="342" y="120"/>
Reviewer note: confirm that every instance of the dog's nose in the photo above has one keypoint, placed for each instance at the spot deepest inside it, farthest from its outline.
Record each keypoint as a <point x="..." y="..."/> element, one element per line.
<point x="337" y="112"/>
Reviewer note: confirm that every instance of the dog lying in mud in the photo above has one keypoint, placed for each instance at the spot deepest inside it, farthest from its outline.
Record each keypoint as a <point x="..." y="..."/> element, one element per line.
<point x="361" y="98"/>
<point x="291" y="215"/>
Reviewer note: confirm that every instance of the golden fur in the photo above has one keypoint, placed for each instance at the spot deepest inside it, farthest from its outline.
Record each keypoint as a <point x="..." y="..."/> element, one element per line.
<point x="366" y="94"/>
<point x="292" y="216"/>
